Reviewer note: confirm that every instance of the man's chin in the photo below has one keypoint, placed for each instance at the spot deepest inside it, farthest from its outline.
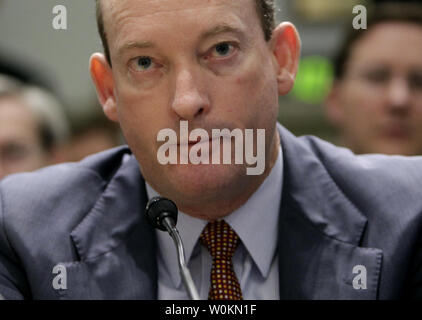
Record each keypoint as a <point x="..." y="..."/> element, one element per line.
<point x="204" y="182"/>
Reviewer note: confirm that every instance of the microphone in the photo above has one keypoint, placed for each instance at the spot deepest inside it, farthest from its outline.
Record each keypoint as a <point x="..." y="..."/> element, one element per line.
<point x="162" y="214"/>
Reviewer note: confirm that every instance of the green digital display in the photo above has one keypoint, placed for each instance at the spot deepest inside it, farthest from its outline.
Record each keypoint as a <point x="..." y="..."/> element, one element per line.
<point x="314" y="79"/>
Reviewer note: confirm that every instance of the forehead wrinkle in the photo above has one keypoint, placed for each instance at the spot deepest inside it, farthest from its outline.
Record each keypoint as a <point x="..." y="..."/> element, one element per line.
<point x="135" y="45"/>
<point x="157" y="6"/>
<point x="222" y="28"/>
<point x="119" y="14"/>
<point x="124" y="12"/>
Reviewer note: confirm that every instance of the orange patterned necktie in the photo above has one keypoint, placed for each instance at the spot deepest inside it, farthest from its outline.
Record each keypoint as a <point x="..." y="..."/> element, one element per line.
<point x="221" y="241"/>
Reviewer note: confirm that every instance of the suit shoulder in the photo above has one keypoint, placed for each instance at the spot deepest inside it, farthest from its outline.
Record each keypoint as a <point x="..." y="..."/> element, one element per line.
<point x="405" y="172"/>
<point x="100" y="166"/>
<point x="375" y="183"/>
<point x="58" y="190"/>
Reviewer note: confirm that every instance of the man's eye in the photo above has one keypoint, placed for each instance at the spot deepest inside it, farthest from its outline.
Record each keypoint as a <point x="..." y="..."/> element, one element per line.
<point x="142" y="64"/>
<point x="14" y="152"/>
<point x="415" y="81"/>
<point x="223" y="49"/>
<point x="378" y="76"/>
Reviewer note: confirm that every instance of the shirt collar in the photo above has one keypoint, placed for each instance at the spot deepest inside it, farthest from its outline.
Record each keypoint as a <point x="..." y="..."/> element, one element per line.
<point x="256" y="224"/>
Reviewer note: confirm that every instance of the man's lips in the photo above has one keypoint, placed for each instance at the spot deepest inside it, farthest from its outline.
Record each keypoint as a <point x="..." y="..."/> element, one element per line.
<point x="199" y="140"/>
<point x="192" y="143"/>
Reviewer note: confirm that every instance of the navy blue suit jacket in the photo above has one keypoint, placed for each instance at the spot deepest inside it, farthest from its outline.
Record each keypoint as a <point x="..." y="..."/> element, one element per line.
<point x="338" y="211"/>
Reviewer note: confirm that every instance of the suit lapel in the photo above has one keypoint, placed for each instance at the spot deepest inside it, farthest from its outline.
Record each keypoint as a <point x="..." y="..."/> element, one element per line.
<point x="319" y="233"/>
<point x="117" y="247"/>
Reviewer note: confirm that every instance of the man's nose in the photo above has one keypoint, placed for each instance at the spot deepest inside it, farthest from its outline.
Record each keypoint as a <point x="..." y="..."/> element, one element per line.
<point x="399" y="94"/>
<point x="189" y="100"/>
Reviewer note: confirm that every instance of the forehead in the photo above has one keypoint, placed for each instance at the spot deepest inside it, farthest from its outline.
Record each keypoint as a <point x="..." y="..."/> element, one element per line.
<point x="396" y="42"/>
<point x="116" y="8"/>
<point x="15" y="117"/>
<point x="140" y="16"/>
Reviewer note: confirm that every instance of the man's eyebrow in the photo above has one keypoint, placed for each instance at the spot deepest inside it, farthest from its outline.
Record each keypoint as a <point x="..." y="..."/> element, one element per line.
<point x="222" y="28"/>
<point x="135" y="45"/>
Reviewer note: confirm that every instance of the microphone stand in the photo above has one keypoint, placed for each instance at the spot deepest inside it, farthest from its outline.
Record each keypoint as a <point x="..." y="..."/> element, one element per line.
<point x="170" y="226"/>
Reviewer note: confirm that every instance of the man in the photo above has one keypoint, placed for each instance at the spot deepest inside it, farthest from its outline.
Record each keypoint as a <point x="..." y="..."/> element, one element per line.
<point x="32" y="128"/>
<point x="376" y="101"/>
<point x="317" y="223"/>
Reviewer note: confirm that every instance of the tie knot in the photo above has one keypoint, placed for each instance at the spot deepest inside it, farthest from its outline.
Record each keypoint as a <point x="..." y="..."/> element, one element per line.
<point x="220" y="240"/>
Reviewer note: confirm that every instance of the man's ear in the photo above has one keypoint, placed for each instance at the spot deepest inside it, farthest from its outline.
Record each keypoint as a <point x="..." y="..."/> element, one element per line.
<point x="102" y="77"/>
<point x="285" y="45"/>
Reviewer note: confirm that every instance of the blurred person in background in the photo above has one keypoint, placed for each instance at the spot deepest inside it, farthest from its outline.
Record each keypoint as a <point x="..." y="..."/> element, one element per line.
<point x="376" y="100"/>
<point x="92" y="134"/>
<point x="33" y="127"/>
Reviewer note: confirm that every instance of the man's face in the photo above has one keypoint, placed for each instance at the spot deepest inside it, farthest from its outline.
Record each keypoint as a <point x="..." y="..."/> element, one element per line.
<point x="378" y="104"/>
<point x="20" y="145"/>
<point x="205" y="62"/>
